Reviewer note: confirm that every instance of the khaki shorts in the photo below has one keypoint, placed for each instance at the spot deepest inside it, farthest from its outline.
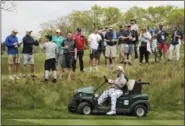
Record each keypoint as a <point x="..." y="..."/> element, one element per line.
<point x="28" y="59"/>
<point x="110" y="51"/>
<point x="13" y="59"/>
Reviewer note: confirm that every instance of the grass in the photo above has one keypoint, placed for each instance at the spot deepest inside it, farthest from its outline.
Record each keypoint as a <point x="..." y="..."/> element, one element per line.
<point x="32" y="99"/>
<point x="92" y="122"/>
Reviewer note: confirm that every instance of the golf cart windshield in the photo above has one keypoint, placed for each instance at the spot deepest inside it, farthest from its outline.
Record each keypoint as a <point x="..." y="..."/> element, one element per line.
<point x="89" y="89"/>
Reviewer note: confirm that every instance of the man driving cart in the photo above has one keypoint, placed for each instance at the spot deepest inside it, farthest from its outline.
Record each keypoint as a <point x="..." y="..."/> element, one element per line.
<point x="114" y="90"/>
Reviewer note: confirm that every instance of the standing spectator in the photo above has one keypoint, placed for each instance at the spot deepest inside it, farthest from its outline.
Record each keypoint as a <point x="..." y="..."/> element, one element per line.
<point x="135" y="28"/>
<point x="129" y="47"/>
<point x="28" y="43"/>
<point x="80" y="41"/>
<point x="94" y="40"/>
<point x="122" y="42"/>
<point x="161" y="39"/>
<point x="175" y="43"/>
<point x="59" y="39"/>
<point x="110" y="51"/>
<point x="104" y="43"/>
<point x="144" y="46"/>
<point x="101" y="44"/>
<point x="69" y="53"/>
<point x="13" y="54"/>
<point x="51" y="51"/>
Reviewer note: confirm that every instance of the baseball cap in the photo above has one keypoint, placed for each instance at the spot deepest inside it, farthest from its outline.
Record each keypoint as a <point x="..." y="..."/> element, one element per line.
<point x="28" y="30"/>
<point x="15" y="31"/>
<point x="58" y="31"/>
<point x="120" y="68"/>
<point x="79" y="29"/>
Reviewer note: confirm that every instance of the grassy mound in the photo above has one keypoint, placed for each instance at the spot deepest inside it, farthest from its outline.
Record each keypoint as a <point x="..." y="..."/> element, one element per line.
<point x="166" y="90"/>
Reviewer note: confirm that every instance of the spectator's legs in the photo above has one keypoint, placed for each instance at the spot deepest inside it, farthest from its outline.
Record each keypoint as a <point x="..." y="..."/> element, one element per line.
<point x="54" y="74"/>
<point x="146" y="53"/>
<point x="135" y="50"/>
<point x="69" y="74"/>
<point x="24" y="70"/>
<point x="17" y="68"/>
<point x="113" y="61"/>
<point x="10" y="69"/>
<point x="46" y="74"/>
<point x="177" y="49"/>
<point x="165" y="48"/>
<point x="141" y="54"/>
<point x="74" y="65"/>
<point x="80" y="54"/>
<point x="32" y="68"/>
<point x="170" y="52"/>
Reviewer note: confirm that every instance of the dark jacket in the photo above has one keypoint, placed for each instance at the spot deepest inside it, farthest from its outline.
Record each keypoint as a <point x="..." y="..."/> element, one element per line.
<point x="101" y="43"/>
<point x="133" y="34"/>
<point x="162" y="36"/>
<point x="28" y="43"/>
<point x="175" y="40"/>
<point x="109" y="36"/>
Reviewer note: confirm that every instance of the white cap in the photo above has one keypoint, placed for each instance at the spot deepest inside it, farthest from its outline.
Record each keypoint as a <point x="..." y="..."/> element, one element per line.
<point x="120" y="68"/>
<point x="28" y="30"/>
<point x="14" y="30"/>
<point x="58" y="31"/>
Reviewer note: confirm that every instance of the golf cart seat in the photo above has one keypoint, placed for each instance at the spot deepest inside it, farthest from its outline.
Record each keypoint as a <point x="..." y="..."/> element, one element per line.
<point x="135" y="87"/>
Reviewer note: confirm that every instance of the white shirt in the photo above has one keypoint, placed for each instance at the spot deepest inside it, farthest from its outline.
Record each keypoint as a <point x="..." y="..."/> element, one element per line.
<point x="93" y="40"/>
<point x="50" y="48"/>
<point x="134" y="27"/>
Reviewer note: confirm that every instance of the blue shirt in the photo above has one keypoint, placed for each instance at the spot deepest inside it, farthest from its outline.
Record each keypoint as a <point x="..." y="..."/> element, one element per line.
<point x="9" y="43"/>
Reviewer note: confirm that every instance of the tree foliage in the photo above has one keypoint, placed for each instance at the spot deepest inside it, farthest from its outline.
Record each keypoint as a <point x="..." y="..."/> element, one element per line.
<point x="8" y="6"/>
<point x="99" y="16"/>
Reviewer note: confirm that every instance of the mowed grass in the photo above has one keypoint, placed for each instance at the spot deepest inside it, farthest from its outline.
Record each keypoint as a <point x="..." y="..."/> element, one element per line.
<point x="32" y="99"/>
<point x="93" y="122"/>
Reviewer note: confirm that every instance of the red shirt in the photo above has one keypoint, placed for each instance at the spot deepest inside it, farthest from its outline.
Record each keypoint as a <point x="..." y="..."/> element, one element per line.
<point x="80" y="41"/>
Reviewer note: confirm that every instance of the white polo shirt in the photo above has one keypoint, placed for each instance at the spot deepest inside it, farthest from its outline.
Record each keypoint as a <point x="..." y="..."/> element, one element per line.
<point x="94" y="40"/>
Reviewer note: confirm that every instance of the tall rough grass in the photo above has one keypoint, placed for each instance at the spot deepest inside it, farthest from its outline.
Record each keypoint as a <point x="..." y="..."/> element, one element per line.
<point x="166" y="89"/>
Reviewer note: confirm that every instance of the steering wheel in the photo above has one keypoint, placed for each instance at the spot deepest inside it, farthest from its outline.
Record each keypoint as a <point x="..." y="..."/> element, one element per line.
<point x="106" y="80"/>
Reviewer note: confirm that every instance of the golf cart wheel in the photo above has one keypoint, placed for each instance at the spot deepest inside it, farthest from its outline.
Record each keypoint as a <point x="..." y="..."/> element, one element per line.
<point x="139" y="111"/>
<point x="84" y="108"/>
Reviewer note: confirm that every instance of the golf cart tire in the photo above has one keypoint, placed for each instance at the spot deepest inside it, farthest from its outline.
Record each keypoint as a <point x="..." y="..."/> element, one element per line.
<point x="84" y="108"/>
<point x="140" y="108"/>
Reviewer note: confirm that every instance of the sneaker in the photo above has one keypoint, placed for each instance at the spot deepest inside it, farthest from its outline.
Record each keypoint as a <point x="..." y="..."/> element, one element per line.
<point x="111" y="113"/>
<point x="60" y="76"/>
<point x="54" y="80"/>
<point x="169" y="60"/>
<point x="96" y="68"/>
<point x="20" y="75"/>
<point x="16" y="77"/>
<point x="11" y="77"/>
<point x="24" y="75"/>
<point x="90" y="68"/>
<point x="82" y="71"/>
<point x="45" y="80"/>
<point x="33" y="76"/>
<point x="129" y="63"/>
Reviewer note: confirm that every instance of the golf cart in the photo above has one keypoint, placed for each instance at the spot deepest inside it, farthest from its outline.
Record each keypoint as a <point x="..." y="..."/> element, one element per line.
<point x="84" y="100"/>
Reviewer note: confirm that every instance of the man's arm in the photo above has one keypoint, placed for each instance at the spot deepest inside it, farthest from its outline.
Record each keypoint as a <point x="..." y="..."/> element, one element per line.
<point x="8" y="43"/>
<point x="27" y="41"/>
<point x="42" y="46"/>
<point x="56" y="49"/>
<point x="106" y="38"/>
<point x="133" y="36"/>
<point x="89" y="40"/>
